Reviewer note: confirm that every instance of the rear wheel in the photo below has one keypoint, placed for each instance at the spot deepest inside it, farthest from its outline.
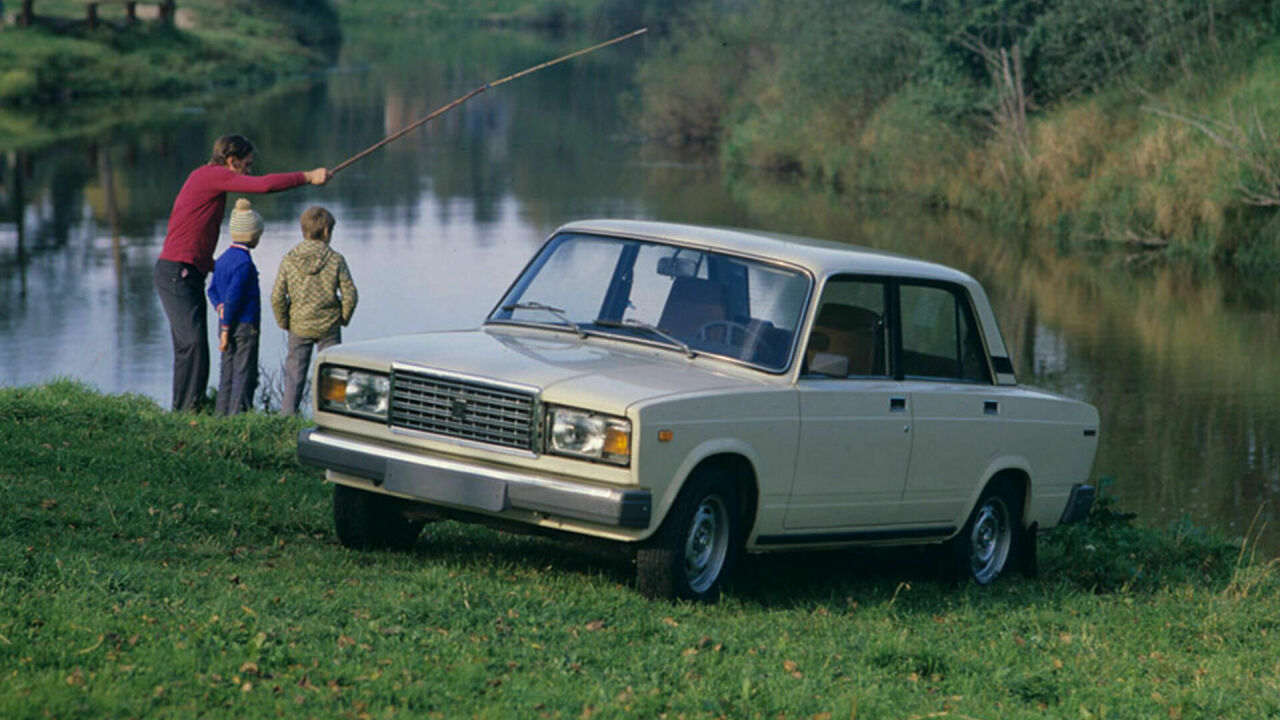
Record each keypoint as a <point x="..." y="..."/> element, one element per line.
<point x="990" y="538"/>
<point x="697" y="545"/>
<point x="372" y="521"/>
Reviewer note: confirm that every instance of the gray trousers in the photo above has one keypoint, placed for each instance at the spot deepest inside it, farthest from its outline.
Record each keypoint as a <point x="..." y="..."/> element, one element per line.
<point x="297" y="364"/>
<point x="238" y="378"/>
<point x="181" y="290"/>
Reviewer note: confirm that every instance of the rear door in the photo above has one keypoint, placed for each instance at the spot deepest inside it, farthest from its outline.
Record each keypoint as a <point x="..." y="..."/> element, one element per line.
<point x="956" y="410"/>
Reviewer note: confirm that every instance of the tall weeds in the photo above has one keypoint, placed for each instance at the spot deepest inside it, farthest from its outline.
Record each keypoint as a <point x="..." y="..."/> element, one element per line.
<point x="1024" y="112"/>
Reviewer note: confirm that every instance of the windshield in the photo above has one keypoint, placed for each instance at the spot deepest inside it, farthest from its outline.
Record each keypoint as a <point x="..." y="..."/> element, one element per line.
<point x="696" y="302"/>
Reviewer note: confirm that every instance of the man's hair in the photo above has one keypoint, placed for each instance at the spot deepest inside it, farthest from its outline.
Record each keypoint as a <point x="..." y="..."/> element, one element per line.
<point x="230" y="146"/>
<point x="315" y="221"/>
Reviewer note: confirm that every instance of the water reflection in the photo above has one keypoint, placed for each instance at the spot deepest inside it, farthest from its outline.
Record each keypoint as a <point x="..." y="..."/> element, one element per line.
<point x="436" y="225"/>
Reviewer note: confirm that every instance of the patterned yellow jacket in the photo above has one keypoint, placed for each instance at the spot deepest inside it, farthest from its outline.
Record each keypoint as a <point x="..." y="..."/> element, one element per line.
<point x="314" y="292"/>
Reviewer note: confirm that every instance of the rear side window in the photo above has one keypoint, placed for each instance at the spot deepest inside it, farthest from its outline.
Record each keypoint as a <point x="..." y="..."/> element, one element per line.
<point x="940" y="339"/>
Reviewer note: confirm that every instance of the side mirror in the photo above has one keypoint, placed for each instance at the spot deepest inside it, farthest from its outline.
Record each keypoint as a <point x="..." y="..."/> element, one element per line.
<point x="829" y="364"/>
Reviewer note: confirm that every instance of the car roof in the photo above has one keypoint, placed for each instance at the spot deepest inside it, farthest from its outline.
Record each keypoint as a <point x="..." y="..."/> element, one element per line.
<point x="821" y="257"/>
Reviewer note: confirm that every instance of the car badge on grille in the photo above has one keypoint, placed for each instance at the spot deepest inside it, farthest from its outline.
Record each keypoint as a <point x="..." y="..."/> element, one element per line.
<point x="458" y="409"/>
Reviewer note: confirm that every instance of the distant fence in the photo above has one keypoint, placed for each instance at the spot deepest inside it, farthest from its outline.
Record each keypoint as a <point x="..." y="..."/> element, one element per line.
<point x="168" y="8"/>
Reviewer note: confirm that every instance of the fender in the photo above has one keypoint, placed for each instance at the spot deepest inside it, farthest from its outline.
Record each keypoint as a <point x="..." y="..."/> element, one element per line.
<point x="701" y="452"/>
<point x="1001" y="463"/>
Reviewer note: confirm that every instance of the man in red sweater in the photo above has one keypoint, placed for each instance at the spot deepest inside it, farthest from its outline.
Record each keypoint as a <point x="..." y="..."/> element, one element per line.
<point x="187" y="255"/>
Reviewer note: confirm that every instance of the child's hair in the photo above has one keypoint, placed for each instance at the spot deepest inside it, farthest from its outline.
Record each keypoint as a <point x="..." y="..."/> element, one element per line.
<point x="316" y="221"/>
<point x="230" y="146"/>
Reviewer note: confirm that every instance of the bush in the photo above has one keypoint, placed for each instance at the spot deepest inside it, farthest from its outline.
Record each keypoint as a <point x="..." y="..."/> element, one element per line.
<point x="855" y="53"/>
<point x="1083" y="45"/>
<point x="17" y="86"/>
<point x="690" y="84"/>
<point x="1108" y="552"/>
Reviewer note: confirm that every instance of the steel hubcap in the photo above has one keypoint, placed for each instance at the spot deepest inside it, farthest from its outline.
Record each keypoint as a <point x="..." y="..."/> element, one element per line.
<point x="706" y="545"/>
<point x="990" y="540"/>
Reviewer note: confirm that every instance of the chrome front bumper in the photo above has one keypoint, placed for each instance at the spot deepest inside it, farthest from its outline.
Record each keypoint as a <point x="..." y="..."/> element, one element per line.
<point x="469" y="486"/>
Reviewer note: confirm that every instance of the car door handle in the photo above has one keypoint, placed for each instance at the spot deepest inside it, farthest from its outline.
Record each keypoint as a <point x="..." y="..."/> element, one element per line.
<point x="990" y="407"/>
<point x="897" y="404"/>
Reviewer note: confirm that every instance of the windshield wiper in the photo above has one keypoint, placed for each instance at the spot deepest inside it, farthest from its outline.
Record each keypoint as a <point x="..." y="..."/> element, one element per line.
<point x="546" y="308"/>
<point x="633" y="323"/>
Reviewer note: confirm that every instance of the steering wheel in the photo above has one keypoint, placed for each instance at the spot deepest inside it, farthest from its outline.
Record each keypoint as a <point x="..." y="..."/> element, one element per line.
<point x="729" y="329"/>
<point x="760" y="349"/>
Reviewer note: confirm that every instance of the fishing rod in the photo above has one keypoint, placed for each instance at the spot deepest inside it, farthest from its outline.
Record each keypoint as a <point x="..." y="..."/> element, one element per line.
<point x="422" y="121"/>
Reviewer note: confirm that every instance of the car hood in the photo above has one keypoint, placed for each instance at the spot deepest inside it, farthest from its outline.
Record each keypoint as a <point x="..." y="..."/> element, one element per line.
<point x="595" y="373"/>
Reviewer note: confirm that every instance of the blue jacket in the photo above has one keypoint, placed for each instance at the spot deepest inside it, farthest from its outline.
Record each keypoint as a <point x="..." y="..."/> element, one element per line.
<point x="235" y="286"/>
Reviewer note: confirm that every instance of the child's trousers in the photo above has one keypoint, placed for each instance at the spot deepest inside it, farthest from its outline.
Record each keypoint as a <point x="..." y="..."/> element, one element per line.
<point x="296" y="365"/>
<point x="238" y="378"/>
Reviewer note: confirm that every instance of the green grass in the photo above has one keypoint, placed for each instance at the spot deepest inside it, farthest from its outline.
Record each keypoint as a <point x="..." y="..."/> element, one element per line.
<point x="173" y="565"/>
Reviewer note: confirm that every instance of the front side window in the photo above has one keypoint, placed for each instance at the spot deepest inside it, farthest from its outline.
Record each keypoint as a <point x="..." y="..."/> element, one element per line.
<point x="696" y="301"/>
<point x="939" y="336"/>
<point x="849" y="337"/>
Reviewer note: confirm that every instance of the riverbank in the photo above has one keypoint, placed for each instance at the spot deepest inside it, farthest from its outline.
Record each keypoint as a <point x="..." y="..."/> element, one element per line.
<point x="60" y="61"/>
<point x="1083" y="123"/>
<point x="59" y="79"/>
<point x="164" y="564"/>
<point x="213" y="44"/>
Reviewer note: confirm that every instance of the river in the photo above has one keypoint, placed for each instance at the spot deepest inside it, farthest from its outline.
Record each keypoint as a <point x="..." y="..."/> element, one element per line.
<point x="1180" y="361"/>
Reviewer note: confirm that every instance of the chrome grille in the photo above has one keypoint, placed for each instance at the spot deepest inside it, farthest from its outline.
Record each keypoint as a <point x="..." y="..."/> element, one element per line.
<point x="465" y="409"/>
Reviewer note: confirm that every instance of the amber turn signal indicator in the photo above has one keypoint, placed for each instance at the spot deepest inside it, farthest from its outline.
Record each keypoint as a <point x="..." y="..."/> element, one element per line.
<point x="333" y="389"/>
<point x="617" y="442"/>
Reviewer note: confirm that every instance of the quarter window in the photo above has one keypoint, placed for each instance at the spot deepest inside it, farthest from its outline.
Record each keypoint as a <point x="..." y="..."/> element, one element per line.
<point x="939" y="336"/>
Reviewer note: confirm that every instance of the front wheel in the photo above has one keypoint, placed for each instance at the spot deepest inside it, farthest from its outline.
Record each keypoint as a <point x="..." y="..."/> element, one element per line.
<point x="372" y="521"/>
<point x="989" y="539"/>
<point x="697" y="545"/>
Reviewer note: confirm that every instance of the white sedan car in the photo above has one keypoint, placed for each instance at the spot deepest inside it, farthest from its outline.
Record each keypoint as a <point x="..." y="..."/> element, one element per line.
<point x="696" y="393"/>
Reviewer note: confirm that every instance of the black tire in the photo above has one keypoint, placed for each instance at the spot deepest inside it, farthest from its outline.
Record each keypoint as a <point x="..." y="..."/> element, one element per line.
<point x="372" y="521"/>
<point x="689" y="557"/>
<point x="992" y="537"/>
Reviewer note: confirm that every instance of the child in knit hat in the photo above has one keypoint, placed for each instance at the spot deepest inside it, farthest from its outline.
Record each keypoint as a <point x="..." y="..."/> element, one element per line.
<point x="234" y="292"/>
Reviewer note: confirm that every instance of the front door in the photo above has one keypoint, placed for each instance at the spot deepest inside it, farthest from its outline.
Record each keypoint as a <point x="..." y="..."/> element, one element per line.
<point x="855" y="438"/>
<point x="855" y="442"/>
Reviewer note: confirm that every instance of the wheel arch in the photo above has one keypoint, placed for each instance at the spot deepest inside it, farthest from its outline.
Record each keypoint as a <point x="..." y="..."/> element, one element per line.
<point x="1020" y="479"/>
<point x="743" y="475"/>
<point x="1018" y="473"/>
<point x="737" y="464"/>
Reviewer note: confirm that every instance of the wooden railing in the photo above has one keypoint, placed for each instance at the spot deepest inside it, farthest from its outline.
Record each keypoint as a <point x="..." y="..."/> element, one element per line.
<point x="168" y="8"/>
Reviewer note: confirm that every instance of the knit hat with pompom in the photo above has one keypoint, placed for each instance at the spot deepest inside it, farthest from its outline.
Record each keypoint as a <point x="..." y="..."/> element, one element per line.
<point x="246" y="223"/>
